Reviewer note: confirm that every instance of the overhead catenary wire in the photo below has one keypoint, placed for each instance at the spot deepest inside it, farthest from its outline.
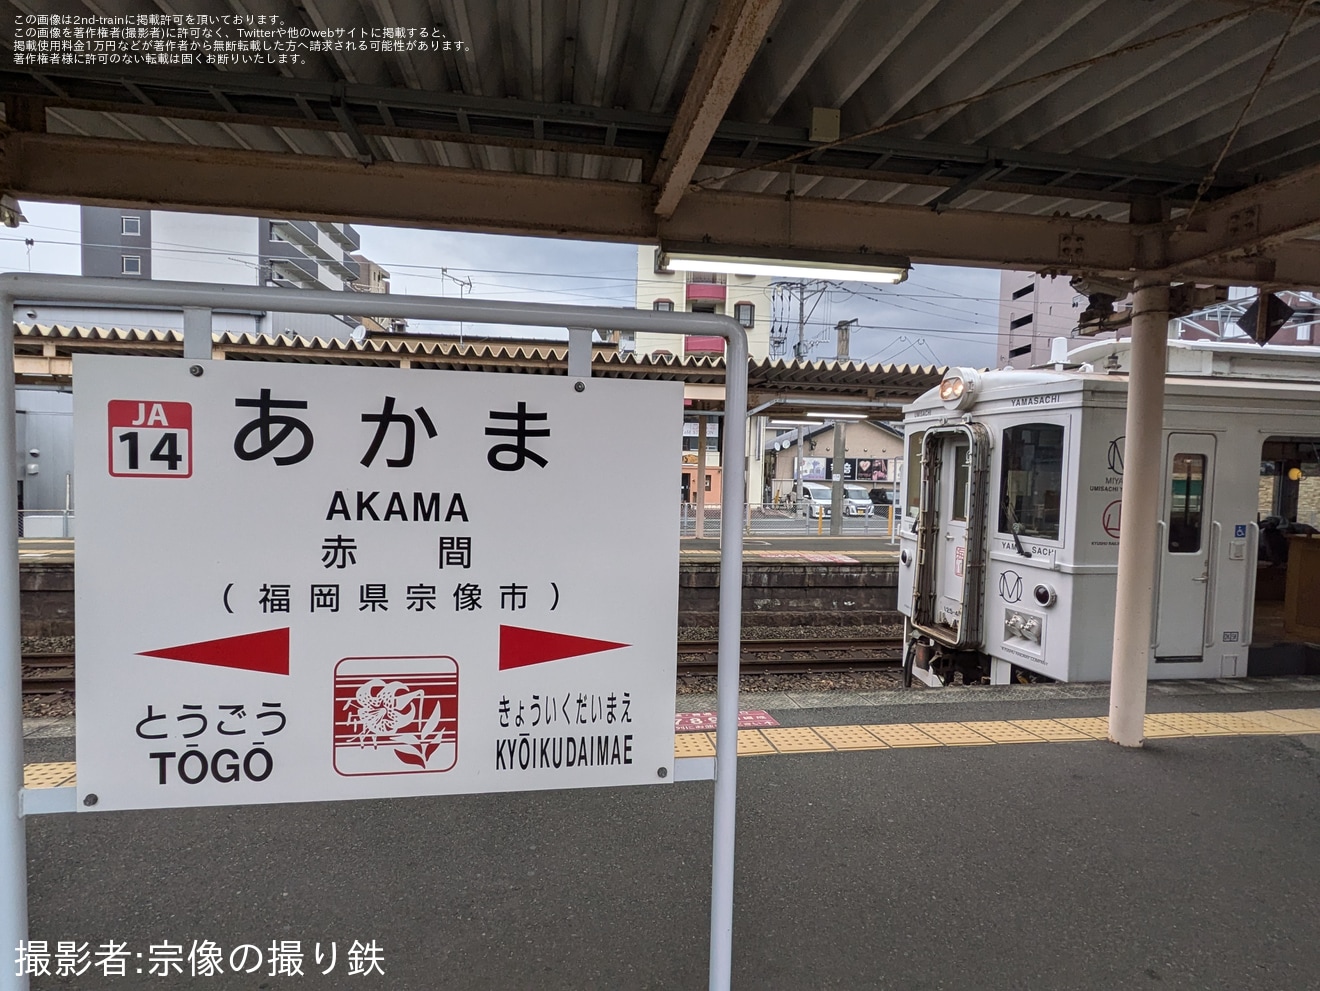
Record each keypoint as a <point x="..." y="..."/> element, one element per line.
<point x="1204" y="186"/>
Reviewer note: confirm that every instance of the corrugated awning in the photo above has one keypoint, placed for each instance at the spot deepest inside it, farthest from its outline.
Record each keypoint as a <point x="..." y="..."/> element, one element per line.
<point x="43" y="353"/>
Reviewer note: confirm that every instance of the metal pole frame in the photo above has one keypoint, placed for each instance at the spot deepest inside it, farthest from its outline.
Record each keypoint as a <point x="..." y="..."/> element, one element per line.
<point x="192" y="295"/>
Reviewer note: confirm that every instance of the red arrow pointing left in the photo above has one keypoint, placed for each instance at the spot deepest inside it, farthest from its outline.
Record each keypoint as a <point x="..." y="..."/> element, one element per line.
<point x="267" y="652"/>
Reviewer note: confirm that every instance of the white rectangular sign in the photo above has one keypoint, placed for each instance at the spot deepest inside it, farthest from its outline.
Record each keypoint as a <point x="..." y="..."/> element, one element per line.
<point x="302" y="583"/>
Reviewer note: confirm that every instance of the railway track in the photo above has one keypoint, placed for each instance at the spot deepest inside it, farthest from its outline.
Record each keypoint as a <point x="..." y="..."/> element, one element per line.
<point x="807" y="655"/>
<point x="48" y="674"/>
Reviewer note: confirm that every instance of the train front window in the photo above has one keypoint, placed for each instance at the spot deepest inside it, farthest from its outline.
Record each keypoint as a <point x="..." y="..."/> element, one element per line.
<point x="962" y="471"/>
<point x="1031" y="481"/>
<point x="1186" y="488"/>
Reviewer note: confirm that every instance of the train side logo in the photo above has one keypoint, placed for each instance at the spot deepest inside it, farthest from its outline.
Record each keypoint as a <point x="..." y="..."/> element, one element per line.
<point x="1115" y="456"/>
<point x="1010" y="586"/>
<point x="1112" y="518"/>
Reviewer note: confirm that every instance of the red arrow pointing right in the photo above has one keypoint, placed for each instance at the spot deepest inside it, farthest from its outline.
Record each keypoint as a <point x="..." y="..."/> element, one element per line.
<point x="520" y="647"/>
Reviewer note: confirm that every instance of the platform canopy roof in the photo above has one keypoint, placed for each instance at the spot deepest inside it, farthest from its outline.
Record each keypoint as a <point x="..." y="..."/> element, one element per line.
<point x="43" y="355"/>
<point x="1006" y="133"/>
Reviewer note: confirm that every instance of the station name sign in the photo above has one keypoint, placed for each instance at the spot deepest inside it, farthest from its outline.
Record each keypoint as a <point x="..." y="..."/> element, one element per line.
<point x="305" y="583"/>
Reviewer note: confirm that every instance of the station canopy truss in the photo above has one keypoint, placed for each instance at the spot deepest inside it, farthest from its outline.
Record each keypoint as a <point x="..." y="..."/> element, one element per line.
<point x="1008" y="133"/>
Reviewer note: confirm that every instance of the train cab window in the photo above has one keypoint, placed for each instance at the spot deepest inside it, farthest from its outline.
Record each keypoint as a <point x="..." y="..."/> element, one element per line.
<point x="912" y="473"/>
<point x="1031" y="481"/>
<point x="1186" y="486"/>
<point x="962" y="473"/>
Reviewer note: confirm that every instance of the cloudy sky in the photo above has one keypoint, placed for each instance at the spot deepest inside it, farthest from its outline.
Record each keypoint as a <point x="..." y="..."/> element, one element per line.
<point x="938" y="316"/>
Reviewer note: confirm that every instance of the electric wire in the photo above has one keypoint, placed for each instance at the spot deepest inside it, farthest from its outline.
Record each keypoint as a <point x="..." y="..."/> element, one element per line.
<point x="1209" y="179"/>
<point x="977" y="97"/>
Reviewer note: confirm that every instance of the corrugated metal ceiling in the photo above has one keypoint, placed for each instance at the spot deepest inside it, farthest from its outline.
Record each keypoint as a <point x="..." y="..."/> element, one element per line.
<point x="1030" y="106"/>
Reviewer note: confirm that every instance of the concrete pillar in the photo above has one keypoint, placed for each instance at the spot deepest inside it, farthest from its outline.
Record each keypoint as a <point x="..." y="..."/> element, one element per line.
<point x="756" y="462"/>
<point x="700" y="495"/>
<point x="836" y="482"/>
<point x="797" y="471"/>
<point x="1142" y="486"/>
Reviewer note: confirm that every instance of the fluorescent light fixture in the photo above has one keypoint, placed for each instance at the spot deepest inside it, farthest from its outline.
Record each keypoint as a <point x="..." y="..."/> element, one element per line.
<point x="837" y="266"/>
<point x="839" y="416"/>
<point x="794" y="423"/>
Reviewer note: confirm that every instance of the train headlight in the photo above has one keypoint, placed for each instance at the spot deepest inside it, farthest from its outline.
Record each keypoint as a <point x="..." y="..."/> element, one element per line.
<point x="958" y="388"/>
<point x="1045" y="595"/>
<point x="1022" y="625"/>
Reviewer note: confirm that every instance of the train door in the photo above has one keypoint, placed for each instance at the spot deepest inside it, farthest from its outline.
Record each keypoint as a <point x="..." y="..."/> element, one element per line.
<point x="1187" y="548"/>
<point x="951" y="544"/>
<point x="951" y="534"/>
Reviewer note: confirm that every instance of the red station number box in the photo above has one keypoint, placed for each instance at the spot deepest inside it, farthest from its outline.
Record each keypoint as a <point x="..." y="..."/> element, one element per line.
<point x="150" y="439"/>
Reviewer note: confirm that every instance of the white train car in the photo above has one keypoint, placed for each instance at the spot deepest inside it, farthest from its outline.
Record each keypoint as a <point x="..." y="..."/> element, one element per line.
<point x="1009" y="545"/>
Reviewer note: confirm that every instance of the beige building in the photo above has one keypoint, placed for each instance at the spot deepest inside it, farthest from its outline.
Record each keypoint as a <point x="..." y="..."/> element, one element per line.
<point x="372" y="278"/>
<point x="1033" y="310"/>
<point x="872" y="456"/>
<point x="746" y="298"/>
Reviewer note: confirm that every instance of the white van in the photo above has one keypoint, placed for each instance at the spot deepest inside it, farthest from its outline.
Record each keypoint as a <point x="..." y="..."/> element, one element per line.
<point x="857" y="501"/>
<point x="813" y="498"/>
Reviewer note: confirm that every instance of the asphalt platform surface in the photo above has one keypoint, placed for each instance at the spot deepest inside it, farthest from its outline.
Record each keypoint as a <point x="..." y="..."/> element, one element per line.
<point x="1192" y="863"/>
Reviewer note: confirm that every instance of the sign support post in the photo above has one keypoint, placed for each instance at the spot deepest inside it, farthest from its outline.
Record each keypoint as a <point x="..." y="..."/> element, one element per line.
<point x="13" y="839"/>
<point x="197" y="299"/>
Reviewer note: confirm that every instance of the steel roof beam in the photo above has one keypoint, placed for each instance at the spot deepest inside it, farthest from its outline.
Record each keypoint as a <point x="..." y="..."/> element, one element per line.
<point x="608" y="132"/>
<point x="982" y="175"/>
<point x="350" y="129"/>
<point x="1248" y="223"/>
<point x="58" y="167"/>
<point x="734" y="39"/>
<point x="302" y="96"/>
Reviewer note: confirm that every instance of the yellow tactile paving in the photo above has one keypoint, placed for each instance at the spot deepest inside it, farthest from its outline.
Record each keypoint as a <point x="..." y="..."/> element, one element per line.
<point x="1307" y="717"/>
<point x="850" y="738"/>
<point x="1154" y="730"/>
<point x="1002" y="731"/>
<point x="1277" y="721"/>
<point x="953" y="734"/>
<point x="751" y="742"/>
<point x="1249" y="724"/>
<point x="693" y="745"/>
<point x="882" y="736"/>
<point x="1051" y="730"/>
<point x="795" y="739"/>
<point x="53" y="775"/>
<point x="1188" y="723"/>
<point x="1096" y="727"/>
<point x="902" y="735"/>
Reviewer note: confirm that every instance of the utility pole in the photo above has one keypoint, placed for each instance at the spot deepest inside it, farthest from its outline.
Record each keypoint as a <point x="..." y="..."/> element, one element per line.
<point x="843" y="332"/>
<point x="836" y="481"/>
<point x="802" y="321"/>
